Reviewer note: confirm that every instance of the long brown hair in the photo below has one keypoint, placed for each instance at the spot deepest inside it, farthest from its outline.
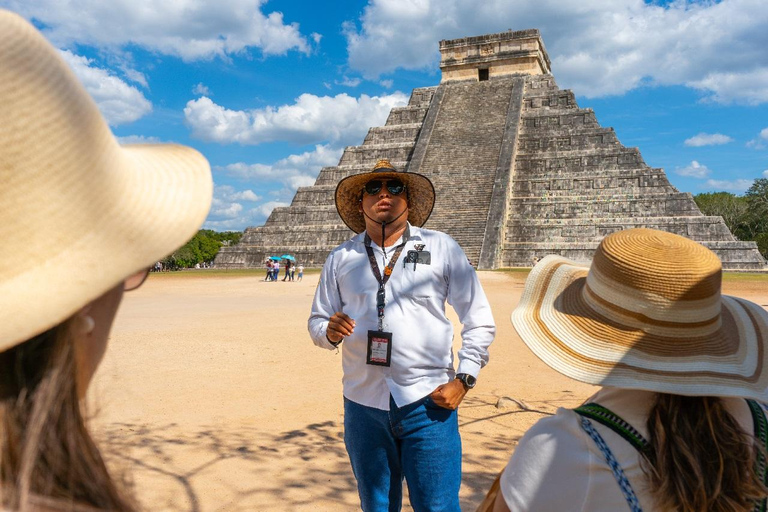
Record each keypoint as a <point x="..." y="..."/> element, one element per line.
<point x="45" y="448"/>
<point x="700" y="458"/>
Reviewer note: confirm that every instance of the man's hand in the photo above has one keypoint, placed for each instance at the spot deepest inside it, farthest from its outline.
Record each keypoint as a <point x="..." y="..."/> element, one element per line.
<point x="449" y="395"/>
<point x="339" y="327"/>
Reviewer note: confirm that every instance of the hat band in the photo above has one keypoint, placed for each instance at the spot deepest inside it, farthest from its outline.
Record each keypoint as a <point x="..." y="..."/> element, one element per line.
<point x="639" y="321"/>
<point x="652" y="306"/>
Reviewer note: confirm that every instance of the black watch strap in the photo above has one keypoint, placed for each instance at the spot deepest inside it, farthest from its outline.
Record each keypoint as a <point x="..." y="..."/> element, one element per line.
<point x="468" y="380"/>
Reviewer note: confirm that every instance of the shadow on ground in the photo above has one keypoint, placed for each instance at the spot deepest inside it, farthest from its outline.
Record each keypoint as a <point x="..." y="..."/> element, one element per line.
<point x="246" y="468"/>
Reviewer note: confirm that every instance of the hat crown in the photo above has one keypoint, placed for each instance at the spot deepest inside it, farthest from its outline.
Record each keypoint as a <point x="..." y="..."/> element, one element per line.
<point x="384" y="165"/>
<point x="656" y="274"/>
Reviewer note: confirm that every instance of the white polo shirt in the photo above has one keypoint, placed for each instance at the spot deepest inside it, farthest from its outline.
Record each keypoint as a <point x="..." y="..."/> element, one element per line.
<point x="422" y="336"/>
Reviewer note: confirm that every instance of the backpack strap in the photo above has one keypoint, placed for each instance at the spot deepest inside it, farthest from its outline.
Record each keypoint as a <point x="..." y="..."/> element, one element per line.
<point x="761" y="433"/>
<point x="613" y="421"/>
<point x="618" y="473"/>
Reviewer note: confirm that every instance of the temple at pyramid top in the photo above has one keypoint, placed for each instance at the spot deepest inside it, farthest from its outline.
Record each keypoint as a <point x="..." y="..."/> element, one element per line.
<point x="520" y="170"/>
<point x="484" y="57"/>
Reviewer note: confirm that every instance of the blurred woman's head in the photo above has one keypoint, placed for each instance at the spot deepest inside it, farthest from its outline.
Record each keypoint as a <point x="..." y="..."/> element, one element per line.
<point x="82" y="220"/>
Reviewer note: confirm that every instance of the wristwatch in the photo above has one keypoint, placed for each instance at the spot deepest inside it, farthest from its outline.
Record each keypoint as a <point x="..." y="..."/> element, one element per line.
<point x="466" y="379"/>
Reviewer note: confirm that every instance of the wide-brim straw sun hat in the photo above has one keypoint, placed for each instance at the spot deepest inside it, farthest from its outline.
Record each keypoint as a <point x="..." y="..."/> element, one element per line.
<point x="79" y="212"/>
<point x="647" y="314"/>
<point x="419" y="190"/>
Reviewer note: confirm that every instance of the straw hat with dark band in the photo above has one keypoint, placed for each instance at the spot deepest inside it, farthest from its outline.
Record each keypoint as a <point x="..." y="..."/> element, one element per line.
<point x="421" y="195"/>
<point x="79" y="212"/>
<point x="647" y="314"/>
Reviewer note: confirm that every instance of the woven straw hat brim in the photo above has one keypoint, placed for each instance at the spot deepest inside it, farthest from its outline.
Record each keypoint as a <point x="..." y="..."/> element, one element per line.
<point x="560" y="327"/>
<point x="421" y="197"/>
<point x="80" y="213"/>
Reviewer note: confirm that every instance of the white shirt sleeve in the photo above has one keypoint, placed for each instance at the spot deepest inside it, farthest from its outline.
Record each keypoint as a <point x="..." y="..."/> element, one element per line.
<point x="550" y="468"/>
<point x="466" y="296"/>
<point x="327" y="302"/>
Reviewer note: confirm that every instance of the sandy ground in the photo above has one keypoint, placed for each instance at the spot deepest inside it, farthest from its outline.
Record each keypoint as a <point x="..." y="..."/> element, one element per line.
<point x="212" y="396"/>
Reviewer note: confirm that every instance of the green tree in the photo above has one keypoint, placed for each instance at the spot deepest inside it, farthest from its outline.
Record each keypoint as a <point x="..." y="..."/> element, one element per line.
<point x="757" y="199"/>
<point x="732" y="208"/>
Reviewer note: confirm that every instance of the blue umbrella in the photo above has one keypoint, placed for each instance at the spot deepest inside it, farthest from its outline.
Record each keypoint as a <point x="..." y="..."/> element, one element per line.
<point x="287" y="257"/>
<point x="275" y="258"/>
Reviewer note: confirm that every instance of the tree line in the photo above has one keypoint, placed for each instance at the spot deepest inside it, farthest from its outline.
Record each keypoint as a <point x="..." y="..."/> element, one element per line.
<point x="202" y="248"/>
<point x="746" y="216"/>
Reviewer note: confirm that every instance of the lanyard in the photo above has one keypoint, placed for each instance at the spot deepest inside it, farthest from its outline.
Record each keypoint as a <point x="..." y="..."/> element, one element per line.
<point x="381" y="294"/>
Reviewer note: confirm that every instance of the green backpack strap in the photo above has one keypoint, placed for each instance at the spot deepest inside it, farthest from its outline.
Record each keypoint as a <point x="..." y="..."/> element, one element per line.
<point x="613" y="421"/>
<point x="761" y="433"/>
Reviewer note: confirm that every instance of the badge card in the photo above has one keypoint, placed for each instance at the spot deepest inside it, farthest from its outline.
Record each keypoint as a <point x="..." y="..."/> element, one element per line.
<point x="379" y="348"/>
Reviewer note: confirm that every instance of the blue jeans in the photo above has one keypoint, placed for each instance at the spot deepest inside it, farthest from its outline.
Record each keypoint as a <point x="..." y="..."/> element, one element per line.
<point x="419" y="442"/>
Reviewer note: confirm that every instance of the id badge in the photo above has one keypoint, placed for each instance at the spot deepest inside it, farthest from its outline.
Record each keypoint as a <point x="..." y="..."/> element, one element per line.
<point x="379" y="348"/>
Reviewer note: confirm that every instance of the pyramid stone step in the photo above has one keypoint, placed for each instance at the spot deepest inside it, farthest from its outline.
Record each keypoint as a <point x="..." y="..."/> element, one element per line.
<point x="367" y="156"/>
<point x="406" y="133"/>
<point x="553" y="99"/>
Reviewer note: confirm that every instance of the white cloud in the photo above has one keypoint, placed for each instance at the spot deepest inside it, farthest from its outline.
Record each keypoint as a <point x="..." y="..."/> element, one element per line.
<point x="737" y="186"/>
<point x="387" y="84"/>
<point x="228" y="211"/>
<point x="708" y="139"/>
<point x="760" y="141"/>
<point x="765" y="173"/>
<point x="189" y="29"/>
<point x="267" y="208"/>
<point x="597" y="47"/>
<point x="138" y="139"/>
<point x="341" y="119"/>
<point x="118" y="102"/>
<point x="201" y="90"/>
<point x="694" y="170"/>
<point x="316" y="37"/>
<point x="292" y="172"/>
<point x="349" y="82"/>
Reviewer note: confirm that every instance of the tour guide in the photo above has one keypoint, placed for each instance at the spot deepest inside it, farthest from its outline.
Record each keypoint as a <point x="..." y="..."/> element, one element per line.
<point x="383" y="294"/>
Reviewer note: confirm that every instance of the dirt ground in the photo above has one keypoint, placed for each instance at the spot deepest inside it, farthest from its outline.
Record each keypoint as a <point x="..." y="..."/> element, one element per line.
<point x="212" y="396"/>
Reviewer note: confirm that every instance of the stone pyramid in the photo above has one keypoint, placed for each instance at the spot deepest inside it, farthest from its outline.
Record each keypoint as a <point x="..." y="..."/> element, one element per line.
<point x="520" y="170"/>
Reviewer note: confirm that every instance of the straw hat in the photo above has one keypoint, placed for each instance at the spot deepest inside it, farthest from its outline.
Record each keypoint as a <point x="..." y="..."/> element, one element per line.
<point x="647" y="314"/>
<point x="79" y="212"/>
<point x="421" y="195"/>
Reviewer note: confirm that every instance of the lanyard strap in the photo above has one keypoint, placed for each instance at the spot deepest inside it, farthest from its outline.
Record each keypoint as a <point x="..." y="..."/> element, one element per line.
<point x="381" y="294"/>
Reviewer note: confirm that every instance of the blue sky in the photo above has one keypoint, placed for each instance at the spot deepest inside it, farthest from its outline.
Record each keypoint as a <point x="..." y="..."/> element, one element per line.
<point x="270" y="92"/>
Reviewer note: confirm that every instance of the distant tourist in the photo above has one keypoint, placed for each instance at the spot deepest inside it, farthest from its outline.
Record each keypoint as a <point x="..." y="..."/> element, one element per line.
<point x="86" y="218"/>
<point x="293" y="271"/>
<point x="275" y="271"/>
<point x="679" y="423"/>
<point x="268" y="265"/>
<point x="301" y="272"/>
<point x="400" y="388"/>
<point x="287" y="270"/>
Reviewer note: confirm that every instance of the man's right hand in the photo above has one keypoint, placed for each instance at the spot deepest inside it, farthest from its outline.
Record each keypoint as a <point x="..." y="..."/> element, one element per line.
<point x="339" y="326"/>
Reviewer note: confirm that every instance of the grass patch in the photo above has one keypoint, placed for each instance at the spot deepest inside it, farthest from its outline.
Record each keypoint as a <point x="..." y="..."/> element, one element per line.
<point x="754" y="277"/>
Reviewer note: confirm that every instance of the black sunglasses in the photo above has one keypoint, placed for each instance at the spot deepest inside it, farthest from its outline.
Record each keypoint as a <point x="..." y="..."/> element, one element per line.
<point x="395" y="187"/>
